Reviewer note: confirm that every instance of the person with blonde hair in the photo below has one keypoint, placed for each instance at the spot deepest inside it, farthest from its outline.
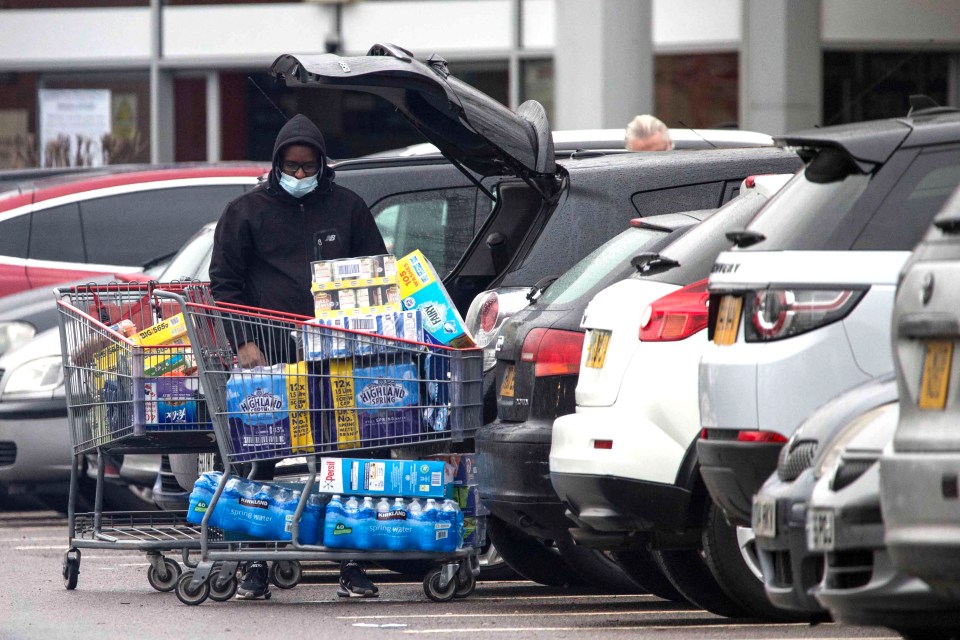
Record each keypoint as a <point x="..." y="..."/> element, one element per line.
<point x="647" y="133"/>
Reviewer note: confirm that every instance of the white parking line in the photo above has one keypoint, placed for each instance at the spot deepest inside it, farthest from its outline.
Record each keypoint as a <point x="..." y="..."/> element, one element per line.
<point x="63" y="547"/>
<point x="31" y="539"/>
<point x="529" y="615"/>
<point x="677" y="627"/>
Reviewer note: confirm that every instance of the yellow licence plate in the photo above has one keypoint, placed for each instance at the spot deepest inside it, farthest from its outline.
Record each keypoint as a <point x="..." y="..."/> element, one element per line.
<point x="936" y="374"/>
<point x="506" y="387"/>
<point x="597" y="349"/>
<point x="728" y="320"/>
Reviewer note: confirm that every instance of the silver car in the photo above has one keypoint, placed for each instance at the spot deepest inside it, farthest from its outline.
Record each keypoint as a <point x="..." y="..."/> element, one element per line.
<point x="860" y="584"/>
<point x="790" y="569"/>
<point x="919" y="475"/>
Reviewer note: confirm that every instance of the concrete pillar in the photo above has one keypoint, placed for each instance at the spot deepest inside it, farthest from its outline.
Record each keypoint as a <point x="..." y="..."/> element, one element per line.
<point x="603" y="62"/>
<point x="781" y="66"/>
<point x="161" y="93"/>
<point x="214" y="133"/>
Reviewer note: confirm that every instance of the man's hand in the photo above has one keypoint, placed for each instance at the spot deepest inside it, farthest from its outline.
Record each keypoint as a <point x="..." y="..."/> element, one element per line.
<point x="249" y="356"/>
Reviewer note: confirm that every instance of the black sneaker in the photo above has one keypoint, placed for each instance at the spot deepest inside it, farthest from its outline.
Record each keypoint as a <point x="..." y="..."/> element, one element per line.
<point x="354" y="583"/>
<point x="254" y="584"/>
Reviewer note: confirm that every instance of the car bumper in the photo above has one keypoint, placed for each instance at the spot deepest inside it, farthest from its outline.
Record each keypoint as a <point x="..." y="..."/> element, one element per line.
<point x="613" y="504"/>
<point x="734" y="471"/>
<point x="513" y="459"/>
<point x="922" y="520"/>
<point x="36" y="437"/>
<point x="790" y="570"/>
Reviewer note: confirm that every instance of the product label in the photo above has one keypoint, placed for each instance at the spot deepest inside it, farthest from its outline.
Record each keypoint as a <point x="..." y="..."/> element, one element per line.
<point x="253" y="502"/>
<point x="298" y="402"/>
<point x="341" y="529"/>
<point x="376" y="476"/>
<point x="345" y="414"/>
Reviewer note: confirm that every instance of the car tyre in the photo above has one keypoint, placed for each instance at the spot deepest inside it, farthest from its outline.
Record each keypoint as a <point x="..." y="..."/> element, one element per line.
<point x="596" y="568"/>
<point x="532" y="558"/>
<point x="688" y="572"/>
<point x="640" y="565"/>
<point x="730" y="558"/>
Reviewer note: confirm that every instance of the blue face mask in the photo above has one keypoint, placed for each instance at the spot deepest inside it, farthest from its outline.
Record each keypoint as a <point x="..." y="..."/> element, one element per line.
<point x="298" y="188"/>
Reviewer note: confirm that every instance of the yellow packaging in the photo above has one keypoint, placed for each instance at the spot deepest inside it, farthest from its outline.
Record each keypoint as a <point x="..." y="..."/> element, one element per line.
<point x="344" y="409"/>
<point x="173" y="330"/>
<point x="298" y="404"/>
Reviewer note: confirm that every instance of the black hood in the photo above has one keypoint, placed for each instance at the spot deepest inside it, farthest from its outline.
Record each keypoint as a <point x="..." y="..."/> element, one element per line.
<point x="300" y="130"/>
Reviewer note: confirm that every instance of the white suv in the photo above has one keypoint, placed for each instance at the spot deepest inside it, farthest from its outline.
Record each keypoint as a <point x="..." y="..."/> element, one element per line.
<point x="621" y="463"/>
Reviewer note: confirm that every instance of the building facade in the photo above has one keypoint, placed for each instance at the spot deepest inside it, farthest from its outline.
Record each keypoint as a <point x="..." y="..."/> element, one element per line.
<point x="165" y="80"/>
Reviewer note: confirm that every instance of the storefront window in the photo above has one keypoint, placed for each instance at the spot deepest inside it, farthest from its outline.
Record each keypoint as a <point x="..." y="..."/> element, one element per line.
<point x="860" y="85"/>
<point x="698" y="90"/>
<point x="536" y="83"/>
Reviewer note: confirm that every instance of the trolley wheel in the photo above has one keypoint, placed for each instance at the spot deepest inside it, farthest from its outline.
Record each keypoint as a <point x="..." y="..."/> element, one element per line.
<point x="224" y="593"/>
<point x="167" y="582"/>
<point x="71" y="572"/>
<point x="465" y="580"/>
<point x="286" y="574"/>
<point x="431" y="587"/>
<point x="188" y="595"/>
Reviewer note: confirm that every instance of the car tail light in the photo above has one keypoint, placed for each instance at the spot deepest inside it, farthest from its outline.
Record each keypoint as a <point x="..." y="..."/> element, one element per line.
<point x="676" y="316"/>
<point x="488" y="313"/>
<point x="774" y="314"/>
<point x="555" y="352"/>
<point x="603" y="444"/>
<point x="760" y="436"/>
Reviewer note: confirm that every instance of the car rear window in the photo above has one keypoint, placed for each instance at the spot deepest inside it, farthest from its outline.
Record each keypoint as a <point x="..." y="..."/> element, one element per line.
<point x="807" y="212"/>
<point x="611" y="258"/>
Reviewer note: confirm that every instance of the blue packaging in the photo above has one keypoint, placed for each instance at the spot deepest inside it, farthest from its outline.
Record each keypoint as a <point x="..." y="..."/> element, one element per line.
<point x="257" y="413"/>
<point x="366" y="520"/>
<point x="436" y="376"/>
<point x="386" y="397"/>
<point x="166" y="401"/>
<point x="260" y="510"/>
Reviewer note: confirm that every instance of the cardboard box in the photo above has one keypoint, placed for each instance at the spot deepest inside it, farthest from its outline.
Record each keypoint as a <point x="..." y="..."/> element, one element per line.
<point x="171" y="331"/>
<point x="421" y="288"/>
<point x="390" y="478"/>
<point x="324" y="341"/>
<point x="329" y="271"/>
<point x="168" y="400"/>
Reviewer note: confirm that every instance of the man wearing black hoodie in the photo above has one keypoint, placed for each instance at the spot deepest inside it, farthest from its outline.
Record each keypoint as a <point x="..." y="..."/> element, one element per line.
<point x="262" y="250"/>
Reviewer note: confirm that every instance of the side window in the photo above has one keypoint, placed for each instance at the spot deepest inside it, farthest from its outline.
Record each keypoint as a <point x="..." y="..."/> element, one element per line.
<point x="55" y="234"/>
<point x="14" y="234"/>
<point x="132" y="228"/>
<point x="440" y="223"/>
<point x="677" y="199"/>
<point x="908" y="210"/>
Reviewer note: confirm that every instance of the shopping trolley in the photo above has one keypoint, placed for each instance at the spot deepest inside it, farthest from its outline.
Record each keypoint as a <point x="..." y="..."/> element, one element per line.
<point x="123" y="397"/>
<point x="322" y="392"/>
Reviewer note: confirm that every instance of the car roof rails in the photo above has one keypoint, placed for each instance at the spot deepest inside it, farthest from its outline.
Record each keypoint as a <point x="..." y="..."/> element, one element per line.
<point x="923" y="105"/>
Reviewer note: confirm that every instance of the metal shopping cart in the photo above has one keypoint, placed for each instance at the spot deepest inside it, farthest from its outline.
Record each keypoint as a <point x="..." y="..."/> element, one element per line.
<point x="322" y="392"/>
<point x="123" y="397"/>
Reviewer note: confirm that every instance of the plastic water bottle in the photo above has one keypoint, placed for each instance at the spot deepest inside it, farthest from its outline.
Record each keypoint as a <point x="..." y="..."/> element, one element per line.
<point x="415" y="522"/>
<point x="344" y="531"/>
<point x="366" y="521"/>
<point x="398" y="539"/>
<point x="310" y="520"/>
<point x="428" y="531"/>
<point x="447" y="533"/>
<point x="381" y="527"/>
<point x="334" y="523"/>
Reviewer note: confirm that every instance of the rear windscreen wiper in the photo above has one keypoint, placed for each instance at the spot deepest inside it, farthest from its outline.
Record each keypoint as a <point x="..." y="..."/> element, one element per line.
<point x="152" y="262"/>
<point x="744" y="237"/>
<point x="647" y="263"/>
<point x="540" y="287"/>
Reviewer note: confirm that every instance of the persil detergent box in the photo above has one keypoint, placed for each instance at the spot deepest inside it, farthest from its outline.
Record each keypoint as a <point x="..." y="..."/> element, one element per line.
<point x="269" y="412"/>
<point x="373" y="402"/>
<point x="391" y="478"/>
<point x="420" y="288"/>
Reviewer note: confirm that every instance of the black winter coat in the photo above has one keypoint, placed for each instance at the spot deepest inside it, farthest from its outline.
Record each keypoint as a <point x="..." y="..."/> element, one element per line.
<point x="266" y="239"/>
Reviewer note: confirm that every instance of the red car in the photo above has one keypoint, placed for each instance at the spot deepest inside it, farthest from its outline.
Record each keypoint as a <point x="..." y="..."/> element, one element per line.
<point x="68" y="227"/>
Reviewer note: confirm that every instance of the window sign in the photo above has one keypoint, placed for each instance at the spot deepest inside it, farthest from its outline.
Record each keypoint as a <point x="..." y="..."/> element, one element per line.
<point x="73" y="123"/>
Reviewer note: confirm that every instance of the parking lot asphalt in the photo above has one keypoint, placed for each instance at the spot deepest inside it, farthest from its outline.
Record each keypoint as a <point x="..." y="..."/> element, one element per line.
<point x="113" y="600"/>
